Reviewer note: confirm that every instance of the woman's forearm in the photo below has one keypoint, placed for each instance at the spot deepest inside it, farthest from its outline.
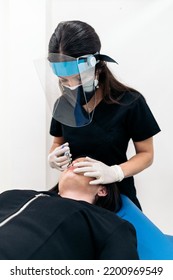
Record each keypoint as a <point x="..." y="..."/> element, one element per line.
<point x="142" y="159"/>
<point x="57" y="141"/>
<point x="136" y="164"/>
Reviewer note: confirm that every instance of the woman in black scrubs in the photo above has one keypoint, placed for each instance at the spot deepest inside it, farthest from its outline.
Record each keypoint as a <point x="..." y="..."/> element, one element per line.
<point x="104" y="116"/>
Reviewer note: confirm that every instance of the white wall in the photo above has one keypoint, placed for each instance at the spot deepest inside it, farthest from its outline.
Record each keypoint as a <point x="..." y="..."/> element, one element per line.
<point x="135" y="33"/>
<point x="4" y="139"/>
<point x="22" y="114"/>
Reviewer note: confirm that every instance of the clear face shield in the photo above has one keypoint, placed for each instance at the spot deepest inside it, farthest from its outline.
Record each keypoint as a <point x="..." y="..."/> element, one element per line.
<point x="75" y="80"/>
<point x="70" y="87"/>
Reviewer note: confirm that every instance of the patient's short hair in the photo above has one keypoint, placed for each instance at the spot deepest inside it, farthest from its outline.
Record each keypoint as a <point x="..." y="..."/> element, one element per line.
<point x="112" y="201"/>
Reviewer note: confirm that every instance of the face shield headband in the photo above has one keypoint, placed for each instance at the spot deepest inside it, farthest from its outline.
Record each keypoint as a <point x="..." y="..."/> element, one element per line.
<point x="69" y="68"/>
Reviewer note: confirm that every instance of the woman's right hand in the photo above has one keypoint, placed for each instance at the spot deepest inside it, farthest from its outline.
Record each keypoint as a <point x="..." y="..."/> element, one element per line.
<point x="60" y="158"/>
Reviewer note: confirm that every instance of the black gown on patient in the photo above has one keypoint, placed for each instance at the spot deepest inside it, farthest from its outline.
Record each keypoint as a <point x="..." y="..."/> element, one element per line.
<point x="51" y="227"/>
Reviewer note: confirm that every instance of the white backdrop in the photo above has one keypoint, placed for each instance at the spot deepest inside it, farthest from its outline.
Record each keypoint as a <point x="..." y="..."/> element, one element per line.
<point x="22" y="103"/>
<point x="138" y="34"/>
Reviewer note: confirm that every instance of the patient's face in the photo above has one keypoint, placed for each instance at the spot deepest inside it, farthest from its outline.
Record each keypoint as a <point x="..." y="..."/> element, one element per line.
<point x="68" y="176"/>
<point x="76" y="182"/>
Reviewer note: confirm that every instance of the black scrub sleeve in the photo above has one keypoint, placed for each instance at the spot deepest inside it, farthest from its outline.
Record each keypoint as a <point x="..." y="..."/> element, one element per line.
<point x="55" y="128"/>
<point x="141" y="123"/>
<point x="121" y="244"/>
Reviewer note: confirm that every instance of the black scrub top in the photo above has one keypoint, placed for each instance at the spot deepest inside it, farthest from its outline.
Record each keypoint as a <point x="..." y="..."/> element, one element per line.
<point x="106" y="138"/>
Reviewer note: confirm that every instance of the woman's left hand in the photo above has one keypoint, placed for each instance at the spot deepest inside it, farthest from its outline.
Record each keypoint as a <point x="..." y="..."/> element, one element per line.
<point x="103" y="173"/>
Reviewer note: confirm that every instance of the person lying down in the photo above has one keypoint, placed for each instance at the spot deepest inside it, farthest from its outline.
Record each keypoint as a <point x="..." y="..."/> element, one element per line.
<point x="72" y="221"/>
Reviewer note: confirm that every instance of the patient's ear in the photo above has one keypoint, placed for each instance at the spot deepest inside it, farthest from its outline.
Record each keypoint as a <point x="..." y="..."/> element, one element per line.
<point x="102" y="191"/>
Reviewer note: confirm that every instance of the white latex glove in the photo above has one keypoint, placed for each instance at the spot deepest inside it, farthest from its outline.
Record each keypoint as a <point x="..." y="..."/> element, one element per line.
<point x="103" y="173"/>
<point x="60" y="158"/>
